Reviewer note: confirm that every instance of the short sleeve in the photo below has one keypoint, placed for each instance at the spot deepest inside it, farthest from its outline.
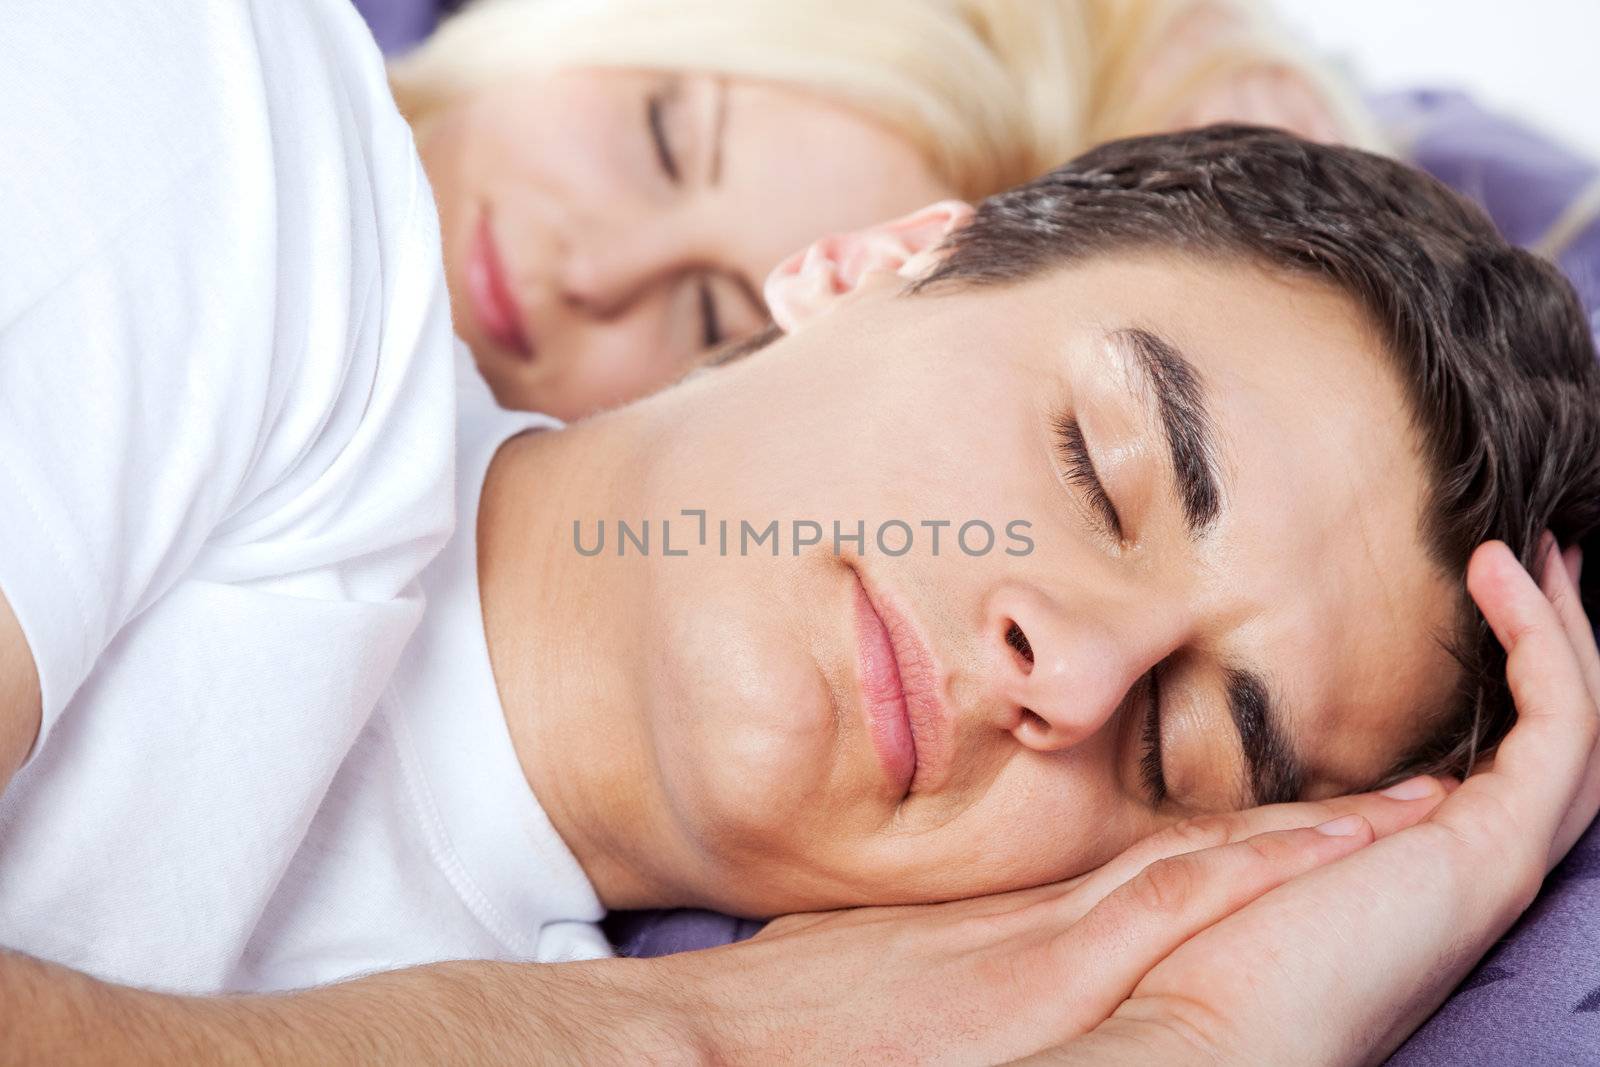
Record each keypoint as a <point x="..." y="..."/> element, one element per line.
<point x="219" y="289"/>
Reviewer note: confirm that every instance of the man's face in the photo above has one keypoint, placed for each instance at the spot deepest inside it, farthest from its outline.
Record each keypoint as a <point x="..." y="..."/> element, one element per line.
<point x="865" y="727"/>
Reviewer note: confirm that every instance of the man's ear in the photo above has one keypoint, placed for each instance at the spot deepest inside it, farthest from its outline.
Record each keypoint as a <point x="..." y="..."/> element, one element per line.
<point x="815" y="279"/>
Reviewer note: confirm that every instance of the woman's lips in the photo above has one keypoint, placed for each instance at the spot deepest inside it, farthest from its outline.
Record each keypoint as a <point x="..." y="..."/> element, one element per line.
<point x="493" y="304"/>
<point x="906" y="718"/>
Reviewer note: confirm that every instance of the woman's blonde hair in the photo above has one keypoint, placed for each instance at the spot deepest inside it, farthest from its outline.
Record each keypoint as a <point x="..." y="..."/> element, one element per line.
<point x="993" y="92"/>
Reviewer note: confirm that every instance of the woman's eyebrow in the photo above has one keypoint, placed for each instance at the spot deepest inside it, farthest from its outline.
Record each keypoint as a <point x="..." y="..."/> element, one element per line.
<point x="1186" y="421"/>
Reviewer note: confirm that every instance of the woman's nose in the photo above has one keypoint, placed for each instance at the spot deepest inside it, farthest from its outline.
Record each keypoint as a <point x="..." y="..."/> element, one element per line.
<point x="603" y="271"/>
<point x="1063" y="671"/>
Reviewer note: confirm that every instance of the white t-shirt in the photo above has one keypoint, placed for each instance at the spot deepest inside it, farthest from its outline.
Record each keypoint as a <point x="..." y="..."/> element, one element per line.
<point x="228" y="404"/>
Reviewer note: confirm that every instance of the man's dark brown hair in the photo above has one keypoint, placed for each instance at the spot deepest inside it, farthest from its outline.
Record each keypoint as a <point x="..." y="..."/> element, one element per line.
<point x="1490" y="341"/>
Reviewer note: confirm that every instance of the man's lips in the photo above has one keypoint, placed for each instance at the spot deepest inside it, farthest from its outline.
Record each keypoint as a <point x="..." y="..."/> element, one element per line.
<point x="906" y="717"/>
<point x="493" y="304"/>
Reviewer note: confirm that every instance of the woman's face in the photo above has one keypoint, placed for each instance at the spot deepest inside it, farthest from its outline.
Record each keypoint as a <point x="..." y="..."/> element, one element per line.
<point x="604" y="228"/>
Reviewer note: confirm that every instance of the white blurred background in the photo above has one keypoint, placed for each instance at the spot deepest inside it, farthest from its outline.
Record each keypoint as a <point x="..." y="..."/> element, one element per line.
<point x="1536" y="59"/>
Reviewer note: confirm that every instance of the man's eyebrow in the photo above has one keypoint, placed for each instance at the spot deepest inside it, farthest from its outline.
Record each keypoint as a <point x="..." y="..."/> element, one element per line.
<point x="1276" y="776"/>
<point x="719" y="125"/>
<point x="1191" y="436"/>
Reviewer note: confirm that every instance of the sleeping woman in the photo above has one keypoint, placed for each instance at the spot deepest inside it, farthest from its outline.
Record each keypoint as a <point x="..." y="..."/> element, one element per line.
<point x="615" y="180"/>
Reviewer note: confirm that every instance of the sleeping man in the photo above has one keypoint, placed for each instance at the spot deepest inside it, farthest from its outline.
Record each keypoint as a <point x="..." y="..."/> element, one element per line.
<point x="1072" y="561"/>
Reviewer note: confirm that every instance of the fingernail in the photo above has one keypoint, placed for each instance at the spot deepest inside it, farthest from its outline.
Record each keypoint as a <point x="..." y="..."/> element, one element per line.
<point x="1343" y="826"/>
<point x="1574" y="561"/>
<point x="1411" y="789"/>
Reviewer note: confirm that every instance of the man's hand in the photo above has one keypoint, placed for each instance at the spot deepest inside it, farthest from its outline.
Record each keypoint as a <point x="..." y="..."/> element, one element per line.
<point x="976" y="981"/>
<point x="985" y="980"/>
<point x="1339" y="966"/>
<point x="1160" y="956"/>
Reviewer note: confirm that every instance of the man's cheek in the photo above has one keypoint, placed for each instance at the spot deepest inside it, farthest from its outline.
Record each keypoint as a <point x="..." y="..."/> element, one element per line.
<point x="1044" y="830"/>
<point x="745" y="731"/>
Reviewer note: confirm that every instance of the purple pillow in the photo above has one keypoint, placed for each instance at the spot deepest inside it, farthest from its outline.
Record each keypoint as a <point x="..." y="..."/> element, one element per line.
<point x="400" y="25"/>
<point x="1535" y="999"/>
<point x="661" y="933"/>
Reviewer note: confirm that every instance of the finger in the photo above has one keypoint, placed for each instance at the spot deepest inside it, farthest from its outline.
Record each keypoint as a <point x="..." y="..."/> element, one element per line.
<point x="1541" y="665"/>
<point x="1402" y="805"/>
<point x="1382" y="935"/>
<point x="1560" y="586"/>
<point x="1101" y="958"/>
<point x="1585" y="804"/>
<point x="1559" y="582"/>
<point x="1542" y="762"/>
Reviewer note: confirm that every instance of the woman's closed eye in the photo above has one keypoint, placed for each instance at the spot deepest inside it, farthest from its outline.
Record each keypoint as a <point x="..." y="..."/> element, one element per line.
<point x="655" y="107"/>
<point x="711" y="330"/>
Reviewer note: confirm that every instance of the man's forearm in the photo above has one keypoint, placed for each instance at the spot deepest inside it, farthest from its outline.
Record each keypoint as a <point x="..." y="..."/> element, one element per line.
<point x="467" y="1012"/>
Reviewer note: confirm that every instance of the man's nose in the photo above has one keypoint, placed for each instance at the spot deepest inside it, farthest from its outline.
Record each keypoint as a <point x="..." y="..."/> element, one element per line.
<point x="1062" y="670"/>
